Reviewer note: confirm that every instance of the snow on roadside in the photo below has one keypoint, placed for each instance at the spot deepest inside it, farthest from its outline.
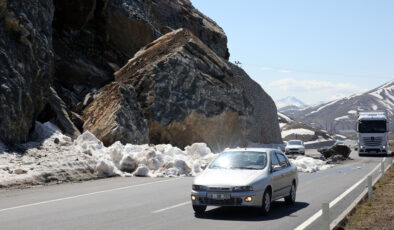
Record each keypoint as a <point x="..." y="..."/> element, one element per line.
<point x="299" y="131"/>
<point x="310" y="165"/>
<point x="54" y="157"/>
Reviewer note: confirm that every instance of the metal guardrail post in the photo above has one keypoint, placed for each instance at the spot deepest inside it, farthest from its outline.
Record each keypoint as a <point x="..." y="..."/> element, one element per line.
<point x="325" y="216"/>
<point x="369" y="179"/>
<point x="382" y="168"/>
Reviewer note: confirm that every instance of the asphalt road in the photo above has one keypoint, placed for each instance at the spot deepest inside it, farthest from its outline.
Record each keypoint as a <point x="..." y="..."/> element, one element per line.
<point x="163" y="203"/>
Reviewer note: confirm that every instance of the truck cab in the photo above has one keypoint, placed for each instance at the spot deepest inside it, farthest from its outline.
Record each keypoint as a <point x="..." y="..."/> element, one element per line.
<point x="372" y="132"/>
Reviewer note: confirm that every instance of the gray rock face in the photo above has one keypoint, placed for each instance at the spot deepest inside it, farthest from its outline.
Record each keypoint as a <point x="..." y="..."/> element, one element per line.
<point x="25" y="65"/>
<point x="115" y="115"/>
<point x="263" y="122"/>
<point x="94" y="38"/>
<point x="189" y="94"/>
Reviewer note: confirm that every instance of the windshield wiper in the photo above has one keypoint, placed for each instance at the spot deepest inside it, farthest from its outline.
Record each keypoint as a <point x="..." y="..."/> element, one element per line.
<point x="251" y="168"/>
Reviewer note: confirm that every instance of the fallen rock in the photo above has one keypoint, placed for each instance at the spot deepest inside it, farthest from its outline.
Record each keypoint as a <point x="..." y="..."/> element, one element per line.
<point x="189" y="94"/>
<point x="128" y="164"/>
<point x="337" y="151"/>
<point x="20" y="171"/>
<point x="115" y="115"/>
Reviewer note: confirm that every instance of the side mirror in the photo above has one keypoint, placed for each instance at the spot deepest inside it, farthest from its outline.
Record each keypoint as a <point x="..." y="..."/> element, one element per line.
<point x="355" y="149"/>
<point x="204" y="166"/>
<point x="276" y="168"/>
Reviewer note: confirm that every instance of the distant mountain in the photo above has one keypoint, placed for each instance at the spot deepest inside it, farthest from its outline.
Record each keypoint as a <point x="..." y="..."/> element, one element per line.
<point x="339" y="116"/>
<point x="289" y="101"/>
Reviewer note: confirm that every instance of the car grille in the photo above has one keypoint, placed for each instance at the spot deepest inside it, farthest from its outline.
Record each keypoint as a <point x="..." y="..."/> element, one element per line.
<point x="218" y="189"/>
<point x="293" y="149"/>
<point x="231" y="201"/>
<point x="372" y="141"/>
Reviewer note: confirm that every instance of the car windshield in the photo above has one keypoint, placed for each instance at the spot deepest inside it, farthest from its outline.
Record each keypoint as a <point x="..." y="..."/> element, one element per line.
<point x="372" y="126"/>
<point x="294" y="143"/>
<point x="240" y="160"/>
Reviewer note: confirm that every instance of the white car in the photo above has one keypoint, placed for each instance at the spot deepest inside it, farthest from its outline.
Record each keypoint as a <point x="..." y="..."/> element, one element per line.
<point x="295" y="146"/>
<point x="245" y="177"/>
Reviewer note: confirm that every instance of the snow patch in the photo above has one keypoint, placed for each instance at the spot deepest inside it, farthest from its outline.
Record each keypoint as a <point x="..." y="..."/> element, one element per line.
<point x="352" y="112"/>
<point x="309" y="165"/>
<point x="300" y="131"/>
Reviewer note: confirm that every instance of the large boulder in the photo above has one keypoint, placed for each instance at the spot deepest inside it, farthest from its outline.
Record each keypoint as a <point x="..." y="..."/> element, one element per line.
<point x="263" y="123"/>
<point x="94" y="38"/>
<point x="25" y="65"/>
<point x="189" y="94"/>
<point x="115" y="115"/>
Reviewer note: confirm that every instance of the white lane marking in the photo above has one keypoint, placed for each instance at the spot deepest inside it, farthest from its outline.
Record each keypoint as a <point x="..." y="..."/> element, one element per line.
<point x="336" y="200"/>
<point x="171" y="207"/>
<point x="86" y="194"/>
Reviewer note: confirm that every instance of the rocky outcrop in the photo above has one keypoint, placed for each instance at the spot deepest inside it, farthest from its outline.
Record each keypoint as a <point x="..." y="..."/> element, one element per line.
<point x="25" y="65"/>
<point x="115" y="115"/>
<point x="189" y="94"/>
<point x="262" y="124"/>
<point x="94" y="38"/>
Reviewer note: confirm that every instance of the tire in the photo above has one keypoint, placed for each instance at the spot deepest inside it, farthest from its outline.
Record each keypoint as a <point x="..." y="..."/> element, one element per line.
<point x="266" y="203"/>
<point x="290" y="199"/>
<point x="199" y="210"/>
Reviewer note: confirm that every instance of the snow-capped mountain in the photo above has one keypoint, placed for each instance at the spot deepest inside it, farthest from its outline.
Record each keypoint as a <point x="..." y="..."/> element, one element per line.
<point x="339" y="116"/>
<point x="289" y="101"/>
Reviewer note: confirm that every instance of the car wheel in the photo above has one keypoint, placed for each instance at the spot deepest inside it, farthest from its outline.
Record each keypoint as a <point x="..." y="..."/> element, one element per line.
<point x="290" y="199"/>
<point x="266" y="203"/>
<point x="199" y="209"/>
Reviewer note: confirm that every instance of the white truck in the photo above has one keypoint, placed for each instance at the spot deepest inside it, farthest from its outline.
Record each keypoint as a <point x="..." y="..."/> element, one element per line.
<point x="372" y="132"/>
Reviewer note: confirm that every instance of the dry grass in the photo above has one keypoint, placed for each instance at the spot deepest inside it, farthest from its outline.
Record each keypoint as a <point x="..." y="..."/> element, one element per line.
<point x="378" y="214"/>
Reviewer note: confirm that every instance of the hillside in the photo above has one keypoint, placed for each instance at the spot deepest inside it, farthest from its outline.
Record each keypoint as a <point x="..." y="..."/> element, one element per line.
<point x="291" y="129"/>
<point x="339" y="115"/>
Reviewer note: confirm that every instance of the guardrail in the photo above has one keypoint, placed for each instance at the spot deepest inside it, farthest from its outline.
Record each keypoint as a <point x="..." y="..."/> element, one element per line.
<point x="324" y="213"/>
<point x="326" y="225"/>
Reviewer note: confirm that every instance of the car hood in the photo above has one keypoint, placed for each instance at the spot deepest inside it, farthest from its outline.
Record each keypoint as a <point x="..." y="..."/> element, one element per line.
<point x="295" y="146"/>
<point x="228" y="177"/>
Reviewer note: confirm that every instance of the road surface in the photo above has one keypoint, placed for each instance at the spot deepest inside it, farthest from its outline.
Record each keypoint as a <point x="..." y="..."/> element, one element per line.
<point x="163" y="203"/>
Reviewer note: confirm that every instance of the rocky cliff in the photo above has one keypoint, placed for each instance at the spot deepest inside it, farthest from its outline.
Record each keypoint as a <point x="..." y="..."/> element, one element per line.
<point x="58" y="60"/>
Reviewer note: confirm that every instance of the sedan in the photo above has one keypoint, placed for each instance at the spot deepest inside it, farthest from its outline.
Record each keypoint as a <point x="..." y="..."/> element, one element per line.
<point x="295" y="146"/>
<point x="245" y="177"/>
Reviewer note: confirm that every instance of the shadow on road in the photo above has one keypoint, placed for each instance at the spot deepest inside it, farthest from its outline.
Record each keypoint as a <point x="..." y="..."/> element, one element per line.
<point x="278" y="210"/>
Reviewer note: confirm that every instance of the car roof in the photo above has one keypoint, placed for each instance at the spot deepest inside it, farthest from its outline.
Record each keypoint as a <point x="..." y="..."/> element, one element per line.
<point x="249" y="149"/>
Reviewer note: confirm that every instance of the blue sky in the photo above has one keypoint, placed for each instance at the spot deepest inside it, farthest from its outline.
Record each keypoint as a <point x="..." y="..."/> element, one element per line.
<point x="314" y="50"/>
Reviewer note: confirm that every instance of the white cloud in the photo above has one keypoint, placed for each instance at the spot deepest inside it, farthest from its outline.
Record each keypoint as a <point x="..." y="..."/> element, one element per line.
<point x="284" y="71"/>
<point x="293" y="84"/>
<point x="267" y="68"/>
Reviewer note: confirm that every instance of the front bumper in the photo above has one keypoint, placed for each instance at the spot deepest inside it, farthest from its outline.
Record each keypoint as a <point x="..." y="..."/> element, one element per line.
<point x="296" y="151"/>
<point x="373" y="151"/>
<point x="236" y="199"/>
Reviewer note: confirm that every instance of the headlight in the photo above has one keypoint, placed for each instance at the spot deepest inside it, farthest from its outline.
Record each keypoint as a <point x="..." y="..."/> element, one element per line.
<point x="242" y="188"/>
<point x="361" y="147"/>
<point x="199" y="187"/>
<point x="383" y="147"/>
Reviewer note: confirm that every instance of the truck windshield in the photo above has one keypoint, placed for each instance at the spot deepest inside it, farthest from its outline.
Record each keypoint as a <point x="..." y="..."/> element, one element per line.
<point x="372" y="126"/>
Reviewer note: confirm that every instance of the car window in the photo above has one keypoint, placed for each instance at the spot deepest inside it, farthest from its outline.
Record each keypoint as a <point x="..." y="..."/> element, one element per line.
<point x="282" y="160"/>
<point x="240" y="160"/>
<point x="274" y="159"/>
<point x="294" y="143"/>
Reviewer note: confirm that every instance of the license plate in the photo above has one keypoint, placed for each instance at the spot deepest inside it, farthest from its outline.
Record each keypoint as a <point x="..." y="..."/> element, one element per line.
<point x="372" y="152"/>
<point x="218" y="196"/>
